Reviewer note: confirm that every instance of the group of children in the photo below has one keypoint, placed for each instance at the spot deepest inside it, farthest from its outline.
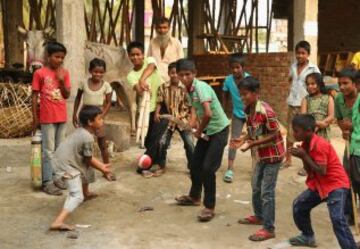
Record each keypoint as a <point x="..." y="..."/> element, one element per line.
<point x="197" y="112"/>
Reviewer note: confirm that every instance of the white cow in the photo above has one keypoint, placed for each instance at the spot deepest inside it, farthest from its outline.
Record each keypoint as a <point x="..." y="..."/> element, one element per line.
<point x="117" y="64"/>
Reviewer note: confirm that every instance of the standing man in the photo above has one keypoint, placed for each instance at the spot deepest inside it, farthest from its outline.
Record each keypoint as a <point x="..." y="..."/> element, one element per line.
<point x="164" y="48"/>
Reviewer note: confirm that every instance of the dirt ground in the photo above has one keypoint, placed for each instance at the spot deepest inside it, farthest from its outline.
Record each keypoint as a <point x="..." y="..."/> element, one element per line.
<point x="115" y="218"/>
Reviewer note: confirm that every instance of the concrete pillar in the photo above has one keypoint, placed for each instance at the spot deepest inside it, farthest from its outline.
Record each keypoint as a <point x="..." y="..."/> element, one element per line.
<point x="306" y="24"/>
<point x="14" y="43"/>
<point x="196" y="27"/>
<point x="70" y="30"/>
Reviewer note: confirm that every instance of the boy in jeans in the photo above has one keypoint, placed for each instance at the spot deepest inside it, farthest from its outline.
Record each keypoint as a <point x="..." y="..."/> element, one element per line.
<point x="298" y="72"/>
<point x="236" y="63"/>
<point x="73" y="162"/>
<point x="327" y="182"/>
<point x="52" y="84"/>
<point x="212" y="134"/>
<point x="263" y="135"/>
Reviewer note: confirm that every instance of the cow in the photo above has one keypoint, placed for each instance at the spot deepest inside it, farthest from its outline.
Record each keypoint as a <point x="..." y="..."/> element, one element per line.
<point x="117" y="65"/>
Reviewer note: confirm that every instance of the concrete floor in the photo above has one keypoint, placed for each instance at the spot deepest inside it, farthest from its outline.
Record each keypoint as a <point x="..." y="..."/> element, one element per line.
<point x="114" y="216"/>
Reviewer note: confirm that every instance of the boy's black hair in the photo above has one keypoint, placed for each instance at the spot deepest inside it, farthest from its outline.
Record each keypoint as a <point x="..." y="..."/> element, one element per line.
<point x="162" y="20"/>
<point x="172" y="65"/>
<point x="318" y="80"/>
<point x="185" y="65"/>
<point x="249" y="83"/>
<point x="96" y="62"/>
<point x="237" y="58"/>
<point x="135" y="44"/>
<point x="304" y="121"/>
<point x="303" y="44"/>
<point x="54" y="47"/>
<point x="88" y="113"/>
<point x="348" y="73"/>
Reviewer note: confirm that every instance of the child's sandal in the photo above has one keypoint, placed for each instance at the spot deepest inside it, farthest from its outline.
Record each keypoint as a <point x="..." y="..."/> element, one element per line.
<point x="262" y="235"/>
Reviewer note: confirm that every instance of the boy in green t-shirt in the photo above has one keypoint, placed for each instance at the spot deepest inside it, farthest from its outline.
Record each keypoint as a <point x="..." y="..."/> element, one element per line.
<point x="145" y="77"/>
<point x="211" y="124"/>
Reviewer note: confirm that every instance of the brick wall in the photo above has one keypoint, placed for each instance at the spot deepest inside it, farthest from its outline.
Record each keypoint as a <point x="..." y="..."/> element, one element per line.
<point x="339" y="25"/>
<point x="272" y="69"/>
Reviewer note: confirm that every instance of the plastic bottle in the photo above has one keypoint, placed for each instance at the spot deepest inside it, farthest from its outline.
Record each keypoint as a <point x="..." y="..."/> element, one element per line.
<point x="35" y="167"/>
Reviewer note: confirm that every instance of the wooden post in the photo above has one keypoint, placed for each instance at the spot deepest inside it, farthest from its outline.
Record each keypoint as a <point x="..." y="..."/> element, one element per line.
<point x="196" y="27"/>
<point x="14" y="43"/>
<point x="139" y="22"/>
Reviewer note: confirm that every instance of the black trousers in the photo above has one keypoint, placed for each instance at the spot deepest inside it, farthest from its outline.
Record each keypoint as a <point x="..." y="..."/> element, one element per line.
<point x="206" y="161"/>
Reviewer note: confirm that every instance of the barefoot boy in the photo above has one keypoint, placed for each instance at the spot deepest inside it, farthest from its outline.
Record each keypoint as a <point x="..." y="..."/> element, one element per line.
<point x="212" y="134"/>
<point x="263" y="135"/>
<point x="327" y="182"/>
<point x="72" y="162"/>
<point x="172" y="99"/>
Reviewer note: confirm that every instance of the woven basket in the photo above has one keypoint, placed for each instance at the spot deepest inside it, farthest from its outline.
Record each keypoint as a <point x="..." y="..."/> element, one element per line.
<point x="15" y="110"/>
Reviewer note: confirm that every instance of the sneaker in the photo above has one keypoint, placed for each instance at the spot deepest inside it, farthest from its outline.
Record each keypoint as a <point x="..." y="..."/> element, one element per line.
<point x="51" y="189"/>
<point x="60" y="184"/>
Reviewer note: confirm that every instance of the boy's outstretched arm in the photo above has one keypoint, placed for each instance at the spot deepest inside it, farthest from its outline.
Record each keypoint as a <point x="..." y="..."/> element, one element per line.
<point x="96" y="164"/>
<point x="205" y="120"/>
<point x="307" y="160"/>
<point x="147" y="72"/>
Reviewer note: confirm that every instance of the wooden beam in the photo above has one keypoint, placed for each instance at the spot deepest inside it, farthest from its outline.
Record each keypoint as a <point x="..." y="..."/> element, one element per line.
<point x="196" y="27"/>
<point x="12" y="12"/>
<point x="139" y="20"/>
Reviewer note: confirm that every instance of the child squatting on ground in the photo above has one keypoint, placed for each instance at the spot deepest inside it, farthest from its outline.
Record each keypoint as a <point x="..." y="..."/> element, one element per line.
<point x="96" y="92"/>
<point x="212" y="134"/>
<point x="73" y="162"/>
<point x="263" y="135"/>
<point x="52" y="84"/>
<point x="327" y="182"/>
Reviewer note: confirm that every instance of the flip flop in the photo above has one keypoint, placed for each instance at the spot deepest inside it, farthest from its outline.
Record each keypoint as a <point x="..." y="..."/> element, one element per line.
<point x="250" y="220"/>
<point x="262" y="235"/>
<point x="62" y="228"/>
<point x="229" y="175"/>
<point x="301" y="240"/>
<point x="186" y="200"/>
<point x="206" y="215"/>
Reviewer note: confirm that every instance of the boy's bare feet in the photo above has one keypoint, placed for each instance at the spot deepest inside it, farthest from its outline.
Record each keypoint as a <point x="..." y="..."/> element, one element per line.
<point x="89" y="196"/>
<point x="61" y="227"/>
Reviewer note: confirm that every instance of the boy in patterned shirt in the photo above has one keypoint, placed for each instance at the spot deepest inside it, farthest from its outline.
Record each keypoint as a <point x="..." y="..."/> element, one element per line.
<point x="263" y="135"/>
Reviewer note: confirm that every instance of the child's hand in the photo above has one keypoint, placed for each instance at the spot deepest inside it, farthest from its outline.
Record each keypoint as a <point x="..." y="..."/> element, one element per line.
<point x="297" y="152"/>
<point x="235" y="143"/>
<point x="106" y="168"/>
<point x="157" y="117"/>
<point x="346" y="134"/>
<point x="60" y="75"/>
<point x="321" y="124"/>
<point x="75" y="121"/>
<point x="247" y="145"/>
<point x="143" y="85"/>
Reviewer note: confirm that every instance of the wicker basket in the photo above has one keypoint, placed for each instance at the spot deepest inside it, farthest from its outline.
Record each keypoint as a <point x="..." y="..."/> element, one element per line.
<point x="15" y="110"/>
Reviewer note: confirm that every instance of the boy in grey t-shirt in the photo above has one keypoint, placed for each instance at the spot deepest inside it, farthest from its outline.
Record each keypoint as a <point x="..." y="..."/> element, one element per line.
<point x="73" y="161"/>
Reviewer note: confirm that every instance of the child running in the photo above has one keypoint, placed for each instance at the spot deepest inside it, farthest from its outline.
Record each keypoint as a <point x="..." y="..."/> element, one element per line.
<point x="96" y="92"/>
<point x="172" y="98"/>
<point x="212" y="134"/>
<point x="72" y="161"/>
<point x="298" y="72"/>
<point x="327" y="182"/>
<point x="263" y="135"/>
<point x="52" y="84"/>
<point x="320" y="105"/>
<point x="236" y="63"/>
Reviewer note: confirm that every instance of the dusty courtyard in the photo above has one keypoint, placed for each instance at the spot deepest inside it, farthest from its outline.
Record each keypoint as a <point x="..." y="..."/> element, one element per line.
<point x="115" y="218"/>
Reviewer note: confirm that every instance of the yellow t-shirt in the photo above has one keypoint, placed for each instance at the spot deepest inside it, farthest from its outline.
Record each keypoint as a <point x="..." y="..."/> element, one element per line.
<point x="154" y="80"/>
<point x="356" y="60"/>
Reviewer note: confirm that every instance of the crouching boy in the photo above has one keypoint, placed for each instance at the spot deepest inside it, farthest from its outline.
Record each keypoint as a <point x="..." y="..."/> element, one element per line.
<point x="327" y="182"/>
<point x="73" y="162"/>
<point x="264" y="136"/>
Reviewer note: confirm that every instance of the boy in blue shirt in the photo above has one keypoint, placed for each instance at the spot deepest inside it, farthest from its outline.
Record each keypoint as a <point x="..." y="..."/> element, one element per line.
<point x="236" y="63"/>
